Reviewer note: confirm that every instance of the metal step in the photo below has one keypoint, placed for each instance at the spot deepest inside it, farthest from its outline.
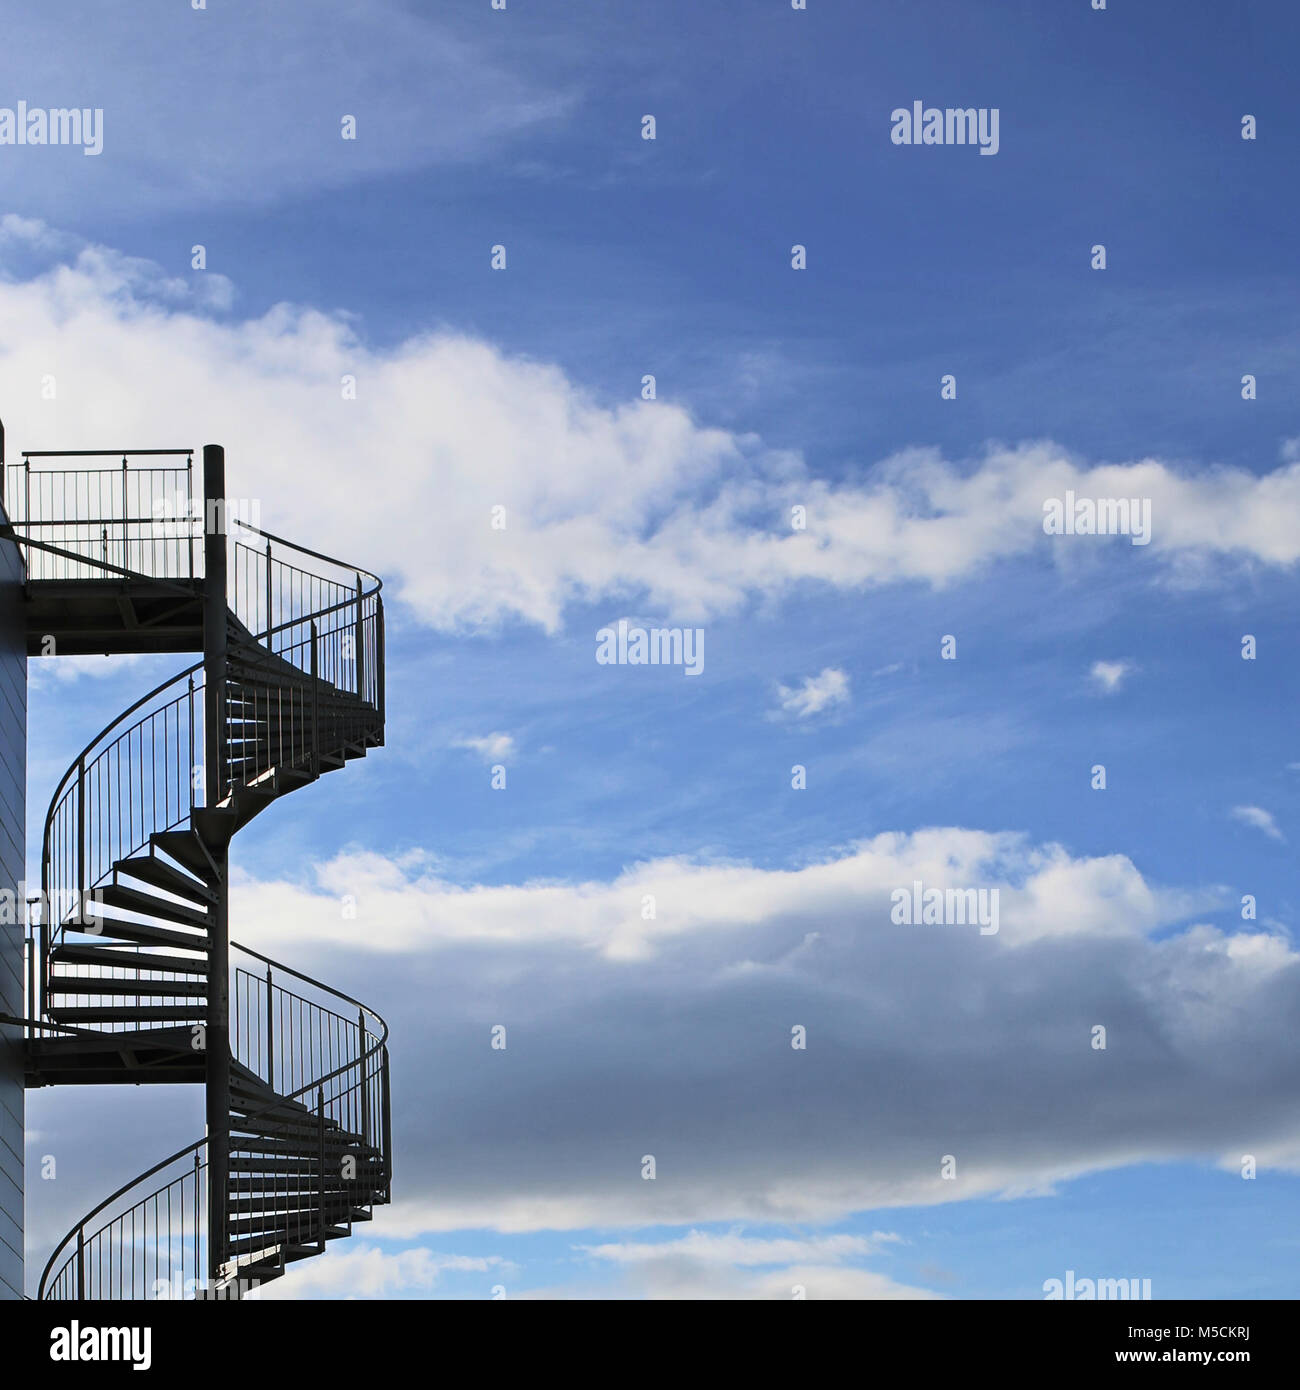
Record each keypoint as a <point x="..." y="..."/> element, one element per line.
<point x="304" y="1160"/>
<point x="298" y="1169"/>
<point x="335" y="1206"/>
<point x="305" y="1132"/>
<point x="286" y="1167"/>
<point x="255" y="1117"/>
<point x="148" y="904"/>
<point x="147" y="1013"/>
<point x="145" y="934"/>
<point x="128" y="960"/>
<point x="242" y="1245"/>
<point x="184" y="848"/>
<point x="306" y="1150"/>
<point x="279" y="1228"/>
<point x="157" y="989"/>
<point x="261" y="1272"/>
<point x="287" y="1117"/>
<point x="293" y="777"/>
<point x="287" y="1188"/>
<point x="149" y="868"/>
<point x="273" y="1265"/>
<point x="248" y="1100"/>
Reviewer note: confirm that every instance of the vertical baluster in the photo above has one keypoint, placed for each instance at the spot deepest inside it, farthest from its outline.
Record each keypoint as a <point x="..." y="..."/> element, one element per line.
<point x="360" y="640"/>
<point x="379" y="656"/>
<point x="315" y="717"/>
<point x="361" y="1077"/>
<point x="30" y="1011"/>
<point x="198" y="1276"/>
<point x="189" y="690"/>
<point x="189" y="511"/>
<point x="388" y="1122"/>
<point x="81" y="838"/>
<point x="320" y="1131"/>
<point x="270" y="621"/>
<point x="270" y="1031"/>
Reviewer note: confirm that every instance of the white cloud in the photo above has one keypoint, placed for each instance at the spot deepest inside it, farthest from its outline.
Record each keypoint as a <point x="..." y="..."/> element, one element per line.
<point x="1259" y="818"/>
<point x="404" y="905"/>
<point x="703" y="1265"/>
<point x="1109" y="675"/>
<point x="673" y="1036"/>
<point x="683" y="1281"/>
<point x="736" y="1249"/>
<point x="59" y="670"/>
<point x="823" y="691"/>
<point x="494" y="748"/>
<point x="632" y="500"/>
<point x="365" y="1271"/>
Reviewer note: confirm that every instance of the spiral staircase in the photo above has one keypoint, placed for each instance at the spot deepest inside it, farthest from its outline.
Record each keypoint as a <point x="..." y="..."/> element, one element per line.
<point x="132" y="977"/>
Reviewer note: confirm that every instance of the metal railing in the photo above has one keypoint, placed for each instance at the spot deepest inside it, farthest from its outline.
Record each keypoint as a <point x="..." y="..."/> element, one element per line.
<point x="133" y="780"/>
<point x="289" y="1041"/>
<point x="77" y="522"/>
<point x="154" y="1246"/>
<point x="296" y="612"/>
<point x="152" y="1241"/>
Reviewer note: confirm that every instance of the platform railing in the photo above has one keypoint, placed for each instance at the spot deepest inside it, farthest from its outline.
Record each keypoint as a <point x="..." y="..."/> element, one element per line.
<point x="132" y="516"/>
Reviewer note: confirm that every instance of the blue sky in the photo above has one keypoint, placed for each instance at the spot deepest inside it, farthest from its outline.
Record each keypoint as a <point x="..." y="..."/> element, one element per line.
<point x="776" y="388"/>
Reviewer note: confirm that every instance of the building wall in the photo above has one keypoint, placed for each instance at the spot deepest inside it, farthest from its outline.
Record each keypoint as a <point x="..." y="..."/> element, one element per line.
<point x="13" y="781"/>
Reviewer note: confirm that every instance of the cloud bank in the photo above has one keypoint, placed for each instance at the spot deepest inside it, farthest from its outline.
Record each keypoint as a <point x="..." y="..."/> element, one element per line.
<point x="497" y="490"/>
<point x="672" y="1035"/>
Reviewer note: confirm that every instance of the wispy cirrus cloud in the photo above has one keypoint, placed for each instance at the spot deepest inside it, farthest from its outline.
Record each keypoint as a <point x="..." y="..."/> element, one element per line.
<point x="1259" y="819"/>
<point x="254" y="100"/>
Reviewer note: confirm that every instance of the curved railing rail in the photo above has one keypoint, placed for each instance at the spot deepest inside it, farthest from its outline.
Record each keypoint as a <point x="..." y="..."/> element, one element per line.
<point x="154" y="1244"/>
<point x="125" y="785"/>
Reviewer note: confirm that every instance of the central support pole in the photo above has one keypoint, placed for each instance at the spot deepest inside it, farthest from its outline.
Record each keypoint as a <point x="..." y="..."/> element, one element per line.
<point x="214" y="783"/>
